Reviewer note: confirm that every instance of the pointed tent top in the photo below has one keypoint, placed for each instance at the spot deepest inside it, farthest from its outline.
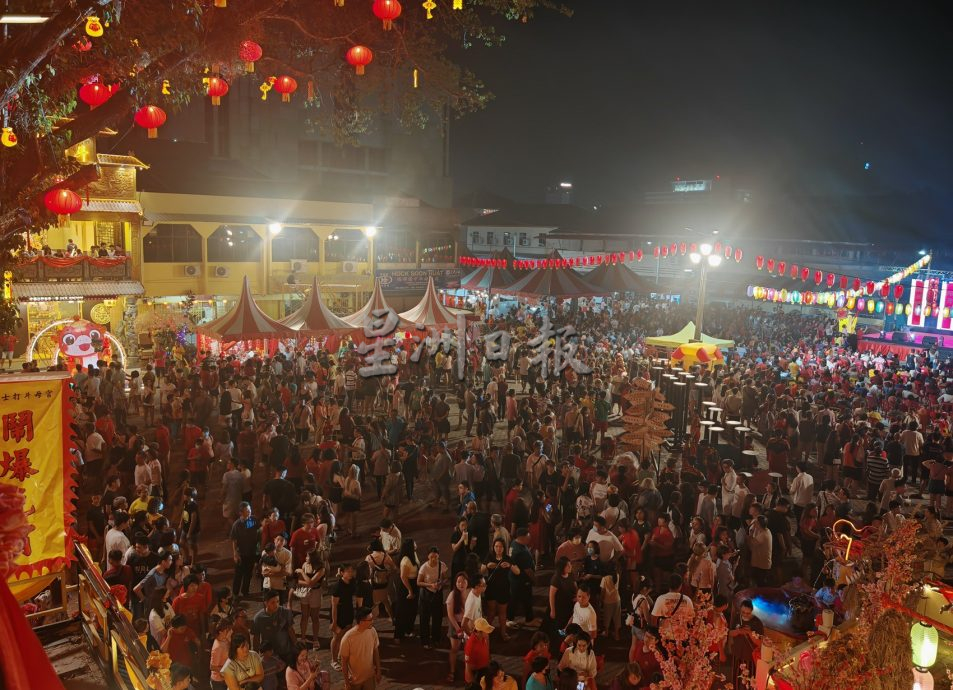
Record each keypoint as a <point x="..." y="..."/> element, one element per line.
<point x="246" y="321"/>
<point x="429" y="312"/>
<point x="617" y="278"/>
<point x="486" y="277"/>
<point x="561" y="283"/>
<point x="313" y="318"/>
<point x="377" y="301"/>
<point x="684" y="337"/>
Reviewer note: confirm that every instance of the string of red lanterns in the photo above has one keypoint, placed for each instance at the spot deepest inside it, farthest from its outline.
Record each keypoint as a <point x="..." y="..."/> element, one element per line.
<point x="593" y="260"/>
<point x="832" y="279"/>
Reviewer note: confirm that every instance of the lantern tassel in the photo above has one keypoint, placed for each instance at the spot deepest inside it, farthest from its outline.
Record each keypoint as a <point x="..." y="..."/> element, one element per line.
<point x="152" y="133"/>
<point x="310" y="89"/>
<point x="360" y="69"/>
<point x="220" y="3"/>
<point x="388" y="25"/>
<point x="216" y="100"/>
<point x="286" y="98"/>
<point x="249" y="67"/>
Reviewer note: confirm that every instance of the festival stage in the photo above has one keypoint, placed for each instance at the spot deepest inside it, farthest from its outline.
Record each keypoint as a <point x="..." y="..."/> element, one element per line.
<point x="884" y="343"/>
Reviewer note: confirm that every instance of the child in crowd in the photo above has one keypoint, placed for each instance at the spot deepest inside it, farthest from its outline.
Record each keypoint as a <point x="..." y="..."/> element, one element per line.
<point x="538" y="648"/>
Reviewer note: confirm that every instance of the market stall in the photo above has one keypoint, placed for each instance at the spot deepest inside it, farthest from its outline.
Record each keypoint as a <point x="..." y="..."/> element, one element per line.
<point x="246" y="327"/>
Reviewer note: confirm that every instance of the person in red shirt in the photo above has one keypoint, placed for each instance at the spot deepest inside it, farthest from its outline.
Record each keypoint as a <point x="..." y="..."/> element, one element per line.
<point x="476" y="651"/>
<point x="538" y="647"/>
<point x="191" y="605"/>
<point x="190" y="434"/>
<point x="304" y="540"/>
<point x="106" y="428"/>
<point x="164" y="441"/>
<point x="180" y="642"/>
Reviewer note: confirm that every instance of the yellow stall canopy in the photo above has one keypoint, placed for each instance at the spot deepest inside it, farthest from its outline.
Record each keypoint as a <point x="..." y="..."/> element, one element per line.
<point x="684" y="336"/>
<point x="690" y="354"/>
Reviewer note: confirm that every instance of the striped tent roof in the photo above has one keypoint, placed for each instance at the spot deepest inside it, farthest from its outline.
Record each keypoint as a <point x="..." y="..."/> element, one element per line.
<point x="618" y="278"/>
<point x="377" y="301"/>
<point x="313" y="318"/>
<point x="246" y="321"/>
<point x="429" y="312"/>
<point x="561" y="283"/>
<point x="487" y="278"/>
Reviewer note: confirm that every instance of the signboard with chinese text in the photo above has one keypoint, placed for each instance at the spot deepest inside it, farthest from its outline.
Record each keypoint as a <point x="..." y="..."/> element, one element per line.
<point x="416" y="278"/>
<point x="35" y="456"/>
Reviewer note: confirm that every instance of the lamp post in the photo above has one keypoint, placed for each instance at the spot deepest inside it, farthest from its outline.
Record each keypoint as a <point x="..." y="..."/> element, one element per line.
<point x="704" y="259"/>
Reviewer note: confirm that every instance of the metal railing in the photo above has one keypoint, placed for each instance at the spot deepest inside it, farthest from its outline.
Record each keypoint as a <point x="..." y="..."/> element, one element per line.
<point x="39" y="272"/>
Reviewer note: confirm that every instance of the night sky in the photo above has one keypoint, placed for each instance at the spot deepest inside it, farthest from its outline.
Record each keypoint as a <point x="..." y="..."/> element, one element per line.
<point x="775" y="96"/>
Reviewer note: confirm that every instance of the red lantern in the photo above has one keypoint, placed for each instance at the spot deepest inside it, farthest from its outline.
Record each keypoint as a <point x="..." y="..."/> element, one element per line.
<point x="782" y="267"/>
<point x="673" y="249"/>
<point x="62" y="202"/>
<point x="843" y="282"/>
<point x="760" y="262"/>
<point x="890" y="308"/>
<point x="897" y="291"/>
<point x="805" y="274"/>
<point x="694" y="248"/>
<point x="716" y="249"/>
<point x="794" y="271"/>
<point x="94" y="94"/>
<point x="727" y="251"/>
<point x="633" y="256"/>
<point x="885" y="290"/>
<point x="387" y="11"/>
<point x="870" y="287"/>
<point x="150" y="118"/>
<point x="830" y="280"/>
<point x="770" y="265"/>
<point x="856" y="283"/>
<point x="665" y="251"/>
<point x="639" y="255"/>
<point x="682" y="248"/>
<point x="818" y="277"/>
<point x="249" y="52"/>
<point x="739" y="255"/>
<point x="656" y="251"/>
<point x="360" y="57"/>
<point x="217" y="87"/>
<point x="286" y="86"/>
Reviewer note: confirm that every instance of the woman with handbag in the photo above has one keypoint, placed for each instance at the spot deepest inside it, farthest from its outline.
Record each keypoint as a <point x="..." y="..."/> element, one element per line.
<point x="432" y="576"/>
<point x="311" y="576"/>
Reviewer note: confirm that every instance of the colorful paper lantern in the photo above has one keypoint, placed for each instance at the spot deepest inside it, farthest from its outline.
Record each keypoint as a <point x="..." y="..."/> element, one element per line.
<point x="794" y="271"/>
<point x="908" y="309"/>
<point x="880" y="306"/>
<point x="656" y="251"/>
<point x="890" y="308"/>
<point x="716" y="248"/>
<point x="851" y="302"/>
<point x="856" y="284"/>
<point x="871" y="306"/>
<point x="217" y="87"/>
<point x="387" y="11"/>
<point x="633" y="255"/>
<point x="898" y="291"/>
<point x="94" y="94"/>
<point x="770" y="265"/>
<point x="286" y="86"/>
<point x="750" y="291"/>
<point x="150" y="118"/>
<point x="62" y="202"/>
<point x="818" y="277"/>
<point x="249" y="52"/>
<point x="925" y="641"/>
<point x="673" y="248"/>
<point x="639" y="255"/>
<point x="805" y="274"/>
<point x="830" y="280"/>
<point x="759" y="262"/>
<point x="665" y="251"/>
<point x="885" y="289"/>
<point x="682" y="248"/>
<point x="869" y="287"/>
<point x="782" y="268"/>
<point x="360" y="57"/>
<point x="861" y="304"/>
<point x="840" y="301"/>
<point x="739" y="255"/>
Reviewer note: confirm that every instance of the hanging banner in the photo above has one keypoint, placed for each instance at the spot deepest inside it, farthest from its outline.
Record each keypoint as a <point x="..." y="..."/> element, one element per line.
<point x="417" y="278"/>
<point x="35" y="456"/>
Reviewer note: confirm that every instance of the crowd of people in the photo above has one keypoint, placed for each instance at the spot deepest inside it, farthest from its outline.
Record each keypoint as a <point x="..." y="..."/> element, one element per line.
<point x="537" y="494"/>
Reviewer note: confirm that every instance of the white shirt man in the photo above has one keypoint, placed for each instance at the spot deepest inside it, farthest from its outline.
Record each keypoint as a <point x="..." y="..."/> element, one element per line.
<point x="609" y="544"/>
<point x="584" y="614"/>
<point x="802" y="488"/>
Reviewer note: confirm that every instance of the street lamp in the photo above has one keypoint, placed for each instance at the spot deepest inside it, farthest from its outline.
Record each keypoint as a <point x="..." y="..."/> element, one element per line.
<point x="704" y="259"/>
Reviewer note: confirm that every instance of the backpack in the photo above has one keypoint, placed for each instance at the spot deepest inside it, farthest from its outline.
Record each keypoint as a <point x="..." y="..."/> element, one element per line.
<point x="380" y="577"/>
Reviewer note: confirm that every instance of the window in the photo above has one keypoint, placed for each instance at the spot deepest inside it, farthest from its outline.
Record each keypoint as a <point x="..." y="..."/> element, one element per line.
<point x="109" y="233"/>
<point x="172" y="243"/>
<point x="475" y="238"/>
<point x="506" y="239"/>
<point x="490" y="238"/>
<point x="234" y="243"/>
<point x="295" y="243"/>
<point x="541" y="240"/>
<point x="524" y="240"/>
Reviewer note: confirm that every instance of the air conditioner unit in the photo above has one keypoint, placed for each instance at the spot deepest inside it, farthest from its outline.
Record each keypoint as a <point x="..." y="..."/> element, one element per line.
<point x="349" y="267"/>
<point x="222" y="271"/>
<point x="192" y="270"/>
<point x="298" y="265"/>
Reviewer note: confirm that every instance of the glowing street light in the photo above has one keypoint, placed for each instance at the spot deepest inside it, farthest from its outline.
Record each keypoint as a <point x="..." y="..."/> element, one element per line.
<point x="274" y="228"/>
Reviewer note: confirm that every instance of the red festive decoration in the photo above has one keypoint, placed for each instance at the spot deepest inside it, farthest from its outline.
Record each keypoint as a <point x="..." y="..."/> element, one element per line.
<point x="727" y="251"/>
<point x="759" y="261"/>
<point x="843" y="282"/>
<point x="217" y="87"/>
<point x="715" y="250"/>
<point x="632" y="256"/>
<point x="286" y="86"/>
<point x="897" y="291"/>
<point x="818" y="277"/>
<point x="830" y="280"/>
<point x="656" y="251"/>
<point x="94" y="94"/>
<point x="83" y="45"/>
<point x="387" y="11"/>
<point x="360" y="57"/>
<point x="694" y="248"/>
<point x="150" y="118"/>
<point x="673" y="249"/>
<point x="682" y="248"/>
<point x="770" y="265"/>
<point x="870" y="287"/>
<point x="782" y="266"/>
<point x="805" y="274"/>
<point x="856" y="283"/>
<point x="794" y="271"/>
<point x="639" y="255"/>
<point x="664" y="251"/>
<point x="62" y="202"/>
<point x="885" y="290"/>
<point x="249" y="52"/>
<point x="739" y="255"/>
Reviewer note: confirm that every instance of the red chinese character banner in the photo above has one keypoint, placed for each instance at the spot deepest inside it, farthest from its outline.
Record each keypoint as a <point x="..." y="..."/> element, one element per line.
<point x="35" y="456"/>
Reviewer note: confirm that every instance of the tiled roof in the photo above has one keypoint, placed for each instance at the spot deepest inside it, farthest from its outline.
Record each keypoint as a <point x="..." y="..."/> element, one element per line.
<point x="112" y="159"/>
<point x="83" y="289"/>
<point x="110" y="206"/>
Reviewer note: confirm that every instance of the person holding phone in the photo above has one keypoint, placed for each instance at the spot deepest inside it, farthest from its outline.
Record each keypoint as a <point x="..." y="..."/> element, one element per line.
<point x="582" y="660"/>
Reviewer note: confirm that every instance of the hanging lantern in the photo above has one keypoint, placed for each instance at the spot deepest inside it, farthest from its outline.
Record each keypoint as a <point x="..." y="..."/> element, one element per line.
<point x="927" y="310"/>
<point x="890" y="308"/>
<point x="869" y="287"/>
<point x="633" y="255"/>
<point x="387" y="11"/>
<point x="871" y="306"/>
<point x="750" y="291"/>
<point x="217" y="87"/>
<point x="759" y="262"/>
<point x="831" y="300"/>
<point x="673" y="249"/>
<point x="360" y="57"/>
<point x="665" y="251"/>
<point x="805" y="274"/>
<point x="770" y="294"/>
<point x="841" y="300"/>
<point x="716" y="248"/>
<point x="727" y="252"/>
<point x="851" y="302"/>
<point x="830" y="280"/>
<point x="794" y="271"/>
<point x="682" y="248"/>
<point x="62" y="202"/>
<point x="843" y="282"/>
<point x="861" y="304"/>
<point x="924" y="639"/>
<point x="739" y="255"/>
<point x="885" y="290"/>
<point x="770" y="265"/>
<point x="150" y="118"/>
<point x="585" y="261"/>
<point x="94" y="94"/>
<point x="639" y="255"/>
<point x="656" y="251"/>
<point x="782" y="267"/>
<point x="897" y="291"/>
<point x="856" y="284"/>
<point x="818" y="277"/>
<point x="693" y="247"/>
<point x="908" y="309"/>
<point x="249" y="52"/>
<point x="880" y="306"/>
<point x="286" y="86"/>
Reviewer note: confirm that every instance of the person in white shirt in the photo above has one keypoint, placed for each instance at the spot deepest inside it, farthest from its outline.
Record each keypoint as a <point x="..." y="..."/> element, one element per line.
<point x="802" y="490"/>
<point x="116" y="537"/>
<point x="729" y="482"/>
<point x="582" y="660"/>
<point x="609" y="545"/>
<point x="473" y="608"/>
<point x="671" y="604"/>
<point x="584" y="614"/>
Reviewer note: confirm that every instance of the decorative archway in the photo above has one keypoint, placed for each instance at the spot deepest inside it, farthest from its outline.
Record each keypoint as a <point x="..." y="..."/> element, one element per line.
<point x="62" y="322"/>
